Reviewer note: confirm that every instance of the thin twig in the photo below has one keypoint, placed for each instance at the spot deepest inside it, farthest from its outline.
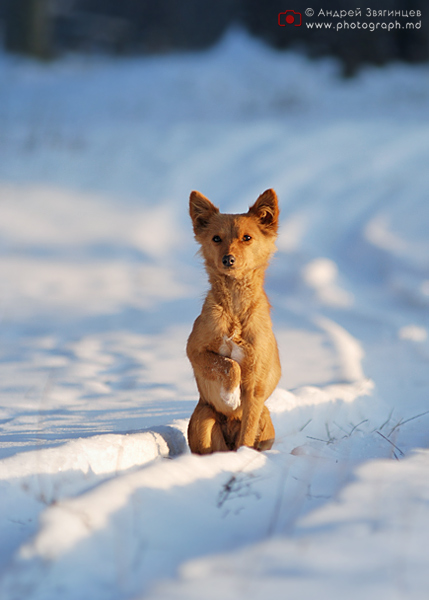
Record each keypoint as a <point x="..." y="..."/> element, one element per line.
<point x="401" y="422"/>
<point x="317" y="439"/>
<point x="398" y="424"/>
<point x="330" y="438"/>
<point x="390" y="442"/>
<point x="341" y="428"/>
<point x="356" y="426"/>
<point x="388" y="419"/>
<point x="304" y="426"/>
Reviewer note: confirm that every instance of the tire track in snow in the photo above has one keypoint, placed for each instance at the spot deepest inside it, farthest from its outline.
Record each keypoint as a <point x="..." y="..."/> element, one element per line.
<point x="32" y="481"/>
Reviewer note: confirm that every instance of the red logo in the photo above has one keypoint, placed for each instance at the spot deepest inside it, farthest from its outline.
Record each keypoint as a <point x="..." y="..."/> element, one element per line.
<point x="290" y="17"/>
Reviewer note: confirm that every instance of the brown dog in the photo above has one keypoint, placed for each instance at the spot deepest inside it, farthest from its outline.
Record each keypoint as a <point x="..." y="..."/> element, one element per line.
<point x="232" y="347"/>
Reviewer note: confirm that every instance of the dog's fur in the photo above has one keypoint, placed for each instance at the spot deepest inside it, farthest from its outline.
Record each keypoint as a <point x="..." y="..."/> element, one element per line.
<point x="232" y="347"/>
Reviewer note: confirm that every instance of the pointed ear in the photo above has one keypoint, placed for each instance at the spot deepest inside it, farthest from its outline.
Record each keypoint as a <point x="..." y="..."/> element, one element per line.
<point x="201" y="211"/>
<point x="266" y="210"/>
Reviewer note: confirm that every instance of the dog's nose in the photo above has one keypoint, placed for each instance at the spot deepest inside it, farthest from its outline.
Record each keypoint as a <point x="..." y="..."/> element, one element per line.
<point x="228" y="260"/>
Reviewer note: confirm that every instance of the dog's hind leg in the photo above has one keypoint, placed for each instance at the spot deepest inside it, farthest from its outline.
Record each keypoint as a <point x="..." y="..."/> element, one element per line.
<point x="205" y="431"/>
<point x="266" y="435"/>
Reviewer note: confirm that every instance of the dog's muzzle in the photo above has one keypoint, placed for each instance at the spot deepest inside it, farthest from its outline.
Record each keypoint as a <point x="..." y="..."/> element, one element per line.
<point x="228" y="260"/>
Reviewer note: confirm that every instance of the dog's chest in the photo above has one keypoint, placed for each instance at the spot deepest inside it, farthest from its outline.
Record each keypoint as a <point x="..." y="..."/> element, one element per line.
<point x="231" y="349"/>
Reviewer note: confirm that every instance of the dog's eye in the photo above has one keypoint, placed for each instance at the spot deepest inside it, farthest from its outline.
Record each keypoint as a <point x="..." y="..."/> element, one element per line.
<point x="217" y="239"/>
<point x="246" y="238"/>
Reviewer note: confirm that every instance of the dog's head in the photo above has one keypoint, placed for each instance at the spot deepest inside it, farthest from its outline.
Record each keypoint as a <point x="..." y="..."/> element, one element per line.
<point x="235" y="244"/>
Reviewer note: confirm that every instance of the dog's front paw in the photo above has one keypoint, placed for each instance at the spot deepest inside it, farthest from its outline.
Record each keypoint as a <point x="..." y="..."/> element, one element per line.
<point x="231" y="398"/>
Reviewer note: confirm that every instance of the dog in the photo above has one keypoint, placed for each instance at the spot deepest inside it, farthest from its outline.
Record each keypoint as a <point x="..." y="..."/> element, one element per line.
<point x="232" y="348"/>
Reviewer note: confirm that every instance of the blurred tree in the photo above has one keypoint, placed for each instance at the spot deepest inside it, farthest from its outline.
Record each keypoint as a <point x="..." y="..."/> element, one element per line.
<point x="40" y="27"/>
<point x="28" y="28"/>
<point x="162" y="25"/>
<point x="353" y="46"/>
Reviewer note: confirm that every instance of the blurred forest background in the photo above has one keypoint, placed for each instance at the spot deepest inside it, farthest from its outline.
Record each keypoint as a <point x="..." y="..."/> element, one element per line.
<point x="48" y="28"/>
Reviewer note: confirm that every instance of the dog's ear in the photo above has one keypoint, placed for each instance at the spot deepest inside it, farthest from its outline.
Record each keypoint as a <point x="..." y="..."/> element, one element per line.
<point x="201" y="211"/>
<point x="266" y="210"/>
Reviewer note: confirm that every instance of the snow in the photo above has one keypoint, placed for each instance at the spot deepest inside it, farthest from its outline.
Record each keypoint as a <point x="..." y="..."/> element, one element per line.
<point x="99" y="287"/>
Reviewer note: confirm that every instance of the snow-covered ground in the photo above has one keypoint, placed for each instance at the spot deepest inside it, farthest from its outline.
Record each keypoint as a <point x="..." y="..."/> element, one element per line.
<point x="100" y="284"/>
